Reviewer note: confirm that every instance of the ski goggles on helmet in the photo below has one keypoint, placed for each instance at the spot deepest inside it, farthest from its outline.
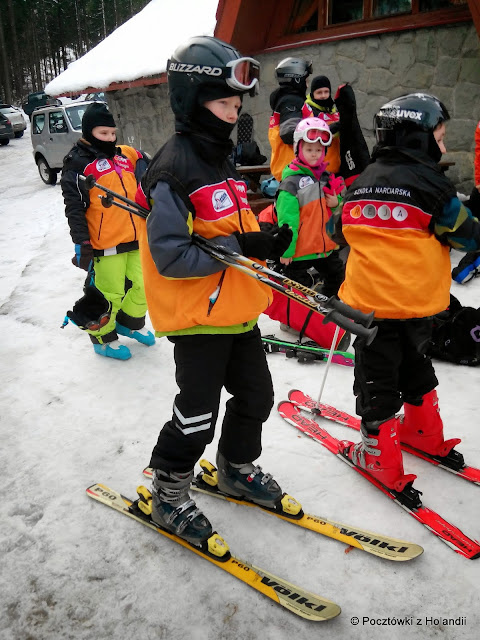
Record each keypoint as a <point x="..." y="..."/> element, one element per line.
<point x="316" y="135"/>
<point x="242" y="74"/>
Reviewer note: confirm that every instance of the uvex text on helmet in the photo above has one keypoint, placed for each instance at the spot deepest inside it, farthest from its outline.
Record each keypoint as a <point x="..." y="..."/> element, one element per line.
<point x="403" y="116"/>
<point x="293" y="70"/>
<point x="204" y="60"/>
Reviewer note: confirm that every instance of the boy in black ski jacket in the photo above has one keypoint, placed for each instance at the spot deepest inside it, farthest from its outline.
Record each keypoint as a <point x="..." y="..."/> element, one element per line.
<point x="207" y="310"/>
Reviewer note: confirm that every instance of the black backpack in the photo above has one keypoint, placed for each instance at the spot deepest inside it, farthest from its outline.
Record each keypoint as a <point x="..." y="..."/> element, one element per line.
<point x="456" y="335"/>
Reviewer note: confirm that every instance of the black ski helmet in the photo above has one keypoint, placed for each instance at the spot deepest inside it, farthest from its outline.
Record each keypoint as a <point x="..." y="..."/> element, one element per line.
<point x="409" y="121"/>
<point x="293" y="71"/>
<point x="200" y="61"/>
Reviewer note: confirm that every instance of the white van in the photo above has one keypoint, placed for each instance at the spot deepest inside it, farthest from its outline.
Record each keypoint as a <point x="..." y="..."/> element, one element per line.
<point x="54" y="131"/>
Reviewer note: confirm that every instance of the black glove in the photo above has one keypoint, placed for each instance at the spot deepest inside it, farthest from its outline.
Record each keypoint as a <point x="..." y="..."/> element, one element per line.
<point x="334" y="128"/>
<point x="255" y="244"/>
<point x="262" y="244"/>
<point x="83" y="257"/>
<point x="283" y="237"/>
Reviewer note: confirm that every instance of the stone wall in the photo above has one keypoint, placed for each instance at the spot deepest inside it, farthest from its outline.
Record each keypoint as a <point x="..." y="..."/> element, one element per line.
<point x="444" y="61"/>
<point x="143" y="116"/>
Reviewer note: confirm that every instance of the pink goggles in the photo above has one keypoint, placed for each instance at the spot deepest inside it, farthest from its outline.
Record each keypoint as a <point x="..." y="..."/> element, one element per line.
<point x="317" y="135"/>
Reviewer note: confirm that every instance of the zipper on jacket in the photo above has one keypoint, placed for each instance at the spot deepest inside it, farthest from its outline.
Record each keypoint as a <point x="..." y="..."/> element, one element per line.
<point x="323" y="204"/>
<point x="100" y="227"/>
<point x="126" y="195"/>
<point x="213" y="297"/>
<point x="237" y="203"/>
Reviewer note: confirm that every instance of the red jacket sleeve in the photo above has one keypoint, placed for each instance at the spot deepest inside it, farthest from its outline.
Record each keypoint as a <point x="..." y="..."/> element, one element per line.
<point x="477" y="155"/>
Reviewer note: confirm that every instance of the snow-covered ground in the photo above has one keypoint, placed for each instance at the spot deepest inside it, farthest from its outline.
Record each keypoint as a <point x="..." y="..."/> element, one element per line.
<point x="71" y="568"/>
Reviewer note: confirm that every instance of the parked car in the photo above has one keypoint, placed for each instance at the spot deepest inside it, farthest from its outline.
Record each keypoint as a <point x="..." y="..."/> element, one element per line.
<point x="38" y="99"/>
<point x="54" y="131"/>
<point x="16" y="118"/>
<point x="6" y="130"/>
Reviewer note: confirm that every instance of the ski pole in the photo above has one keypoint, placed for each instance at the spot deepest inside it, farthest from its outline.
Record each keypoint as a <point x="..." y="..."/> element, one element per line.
<point x="90" y="183"/>
<point x="329" y="360"/>
<point x="108" y="200"/>
<point x="331" y="315"/>
<point x="338" y="305"/>
<point x="339" y="313"/>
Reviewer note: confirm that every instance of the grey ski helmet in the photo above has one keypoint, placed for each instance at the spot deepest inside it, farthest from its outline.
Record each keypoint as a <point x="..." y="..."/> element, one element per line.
<point x="292" y="71"/>
<point x="204" y="60"/>
<point x="409" y="121"/>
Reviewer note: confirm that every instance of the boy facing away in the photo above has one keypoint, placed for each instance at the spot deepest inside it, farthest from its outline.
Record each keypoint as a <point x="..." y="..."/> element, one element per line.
<point x="400" y="218"/>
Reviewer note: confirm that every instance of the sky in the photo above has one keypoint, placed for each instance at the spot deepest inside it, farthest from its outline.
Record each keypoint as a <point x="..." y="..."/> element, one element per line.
<point x="74" y="569"/>
<point x="139" y="47"/>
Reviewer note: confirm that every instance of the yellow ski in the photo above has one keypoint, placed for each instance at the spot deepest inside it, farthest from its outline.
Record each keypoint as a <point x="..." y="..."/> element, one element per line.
<point x="374" y="543"/>
<point x="295" y="599"/>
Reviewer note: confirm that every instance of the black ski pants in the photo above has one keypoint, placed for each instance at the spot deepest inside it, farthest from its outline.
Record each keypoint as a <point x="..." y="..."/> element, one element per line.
<point x="393" y="369"/>
<point x="331" y="269"/>
<point x="204" y="365"/>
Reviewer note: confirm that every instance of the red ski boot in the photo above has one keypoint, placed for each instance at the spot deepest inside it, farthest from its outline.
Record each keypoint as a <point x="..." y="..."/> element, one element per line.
<point x="422" y="427"/>
<point x="379" y="453"/>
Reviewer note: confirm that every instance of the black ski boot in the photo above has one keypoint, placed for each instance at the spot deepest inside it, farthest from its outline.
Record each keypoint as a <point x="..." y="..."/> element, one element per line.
<point x="174" y="510"/>
<point x="249" y="482"/>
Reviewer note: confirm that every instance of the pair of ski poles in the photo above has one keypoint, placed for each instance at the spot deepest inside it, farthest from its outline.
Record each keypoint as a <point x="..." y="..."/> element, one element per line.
<point x="333" y="309"/>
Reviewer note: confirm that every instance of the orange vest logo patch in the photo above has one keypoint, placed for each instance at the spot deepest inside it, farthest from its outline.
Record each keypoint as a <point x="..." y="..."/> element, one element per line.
<point x="356" y="212"/>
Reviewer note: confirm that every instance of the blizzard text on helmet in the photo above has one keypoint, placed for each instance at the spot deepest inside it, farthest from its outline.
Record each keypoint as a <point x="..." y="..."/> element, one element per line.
<point x="195" y="68"/>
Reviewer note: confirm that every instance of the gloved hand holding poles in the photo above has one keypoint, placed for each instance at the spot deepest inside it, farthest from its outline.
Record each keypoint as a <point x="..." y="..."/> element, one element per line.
<point x="263" y="244"/>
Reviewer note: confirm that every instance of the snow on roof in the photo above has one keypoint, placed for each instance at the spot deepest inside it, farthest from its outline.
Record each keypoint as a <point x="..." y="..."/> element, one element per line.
<point x="140" y="47"/>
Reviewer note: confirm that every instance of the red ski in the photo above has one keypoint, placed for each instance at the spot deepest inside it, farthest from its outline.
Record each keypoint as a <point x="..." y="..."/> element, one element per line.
<point x="409" y="498"/>
<point x="453" y="462"/>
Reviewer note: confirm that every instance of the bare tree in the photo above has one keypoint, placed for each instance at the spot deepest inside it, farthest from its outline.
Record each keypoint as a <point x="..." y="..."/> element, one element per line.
<point x="40" y="37"/>
<point x="16" y="65"/>
<point x="5" y="69"/>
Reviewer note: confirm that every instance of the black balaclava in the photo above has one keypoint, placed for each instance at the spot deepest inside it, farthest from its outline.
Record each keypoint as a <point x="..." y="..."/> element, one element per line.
<point x="205" y="121"/>
<point x="319" y="82"/>
<point x="98" y="115"/>
<point x="419" y="141"/>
